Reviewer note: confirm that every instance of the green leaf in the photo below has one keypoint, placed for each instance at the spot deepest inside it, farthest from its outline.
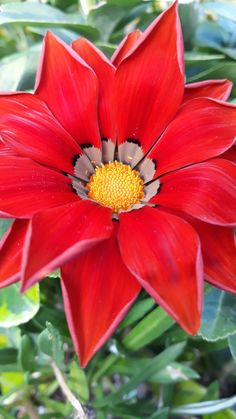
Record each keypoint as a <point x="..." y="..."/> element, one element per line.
<point x="189" y="16"/>
<point x="138" y="311"/>
<point x="153" y="365"/>
<point x="107" y="48"/>
<point x="174" y="372"/>
<point x="55" y="406"/>
<point x="5" y="414"/>
<point x="17" y="308"/>
<point x="232" y="345"/>
<point x="124" y="3"/>
<point x="188" y="392"/>
<point x="105" y="18"/>
<point x="11" y="380"/>
<point x="219" y="315"/>
<point x="50" y="343"/>
<point x="9" y="78"/>
<point x="54" y="274"/>
<point x="223" y="414"/>
<point x="78" y="382"/>
<point x="160" y="414"/>
<point x="148" y="329"/>
<point x="66" y="35"/>
<point x="202" y="56"/>
<point x="10" y="337"/>
<point x="26" y="64"/>
<point x="39" y="14"/>
<point x="216" y="36"/>
<point x="225" y="10"/>
<point x="87" y="5"/>
<point x="204" y="407"/>
<point x="27" y="353"/>
<point x="226" y="69"/>
<point x="8" y="356"/>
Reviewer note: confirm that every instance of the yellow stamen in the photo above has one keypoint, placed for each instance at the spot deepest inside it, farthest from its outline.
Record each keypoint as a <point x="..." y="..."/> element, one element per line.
<point x="116" y="185"/>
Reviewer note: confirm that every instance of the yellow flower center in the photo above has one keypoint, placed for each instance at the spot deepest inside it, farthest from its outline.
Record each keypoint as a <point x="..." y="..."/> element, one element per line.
<point x="116" y="185"/>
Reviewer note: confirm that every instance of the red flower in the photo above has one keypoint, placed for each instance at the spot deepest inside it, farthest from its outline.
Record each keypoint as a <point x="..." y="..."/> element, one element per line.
<point x="115" y="175"/>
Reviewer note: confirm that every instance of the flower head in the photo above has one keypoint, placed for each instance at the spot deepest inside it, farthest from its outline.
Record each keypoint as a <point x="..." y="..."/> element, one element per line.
<point x="122" y="176"/>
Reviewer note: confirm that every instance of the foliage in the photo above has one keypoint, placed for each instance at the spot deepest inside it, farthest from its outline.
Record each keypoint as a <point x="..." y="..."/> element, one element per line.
<point x="150" y="368"/>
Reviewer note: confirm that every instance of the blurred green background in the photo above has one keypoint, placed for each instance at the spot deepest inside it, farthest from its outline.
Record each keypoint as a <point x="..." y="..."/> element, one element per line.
<point x="150" y="368"/>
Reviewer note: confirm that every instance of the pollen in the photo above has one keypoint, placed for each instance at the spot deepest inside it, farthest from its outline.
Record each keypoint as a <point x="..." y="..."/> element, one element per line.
<point x="116" y="185"/>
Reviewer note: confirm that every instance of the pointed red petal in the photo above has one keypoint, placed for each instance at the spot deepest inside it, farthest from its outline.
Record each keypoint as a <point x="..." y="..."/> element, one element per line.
<point x="98" y="290"/>
<point x="125" y="47"/>
<point x="147" y="78"/>
<point x="163" y="252"/>
<point x="70" y="230"/>
<point x="215" y="89"/>
<point x="105" y="73"/>
<point x="27" y="187"/>
<point x="219" y="254"/>
<point x="202" y="129"/>
<point x="11" y="252"/>
<point x="30" y="129"/>
<point x="69" y="87"/>
<point x="206" y="191"/>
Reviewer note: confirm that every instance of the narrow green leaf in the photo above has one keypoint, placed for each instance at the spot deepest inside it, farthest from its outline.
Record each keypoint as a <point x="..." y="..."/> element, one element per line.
<point x="153" y="365"/>
<point x="192" y="56"/>
<point x="204" y="407"/>
<point x="148" y="329"/>
<point x="138" y="311"/>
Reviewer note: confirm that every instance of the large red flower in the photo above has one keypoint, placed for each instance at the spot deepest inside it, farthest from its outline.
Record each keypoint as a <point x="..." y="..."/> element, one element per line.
<point x="114" y="172"/>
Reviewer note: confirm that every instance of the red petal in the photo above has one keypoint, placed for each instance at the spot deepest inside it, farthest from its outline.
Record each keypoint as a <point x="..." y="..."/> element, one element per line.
<point x="98" y="290"/>
<point x="163" y="252"/>
<point x="219" y="254"/>
<point x="206" y="191"/>
<point x="105" y="74"/>
<point x="215" y="89"/>
<point x="11" y="252"/>
<point x="69" y="87"/>
<point x="5" y="150"/>
<point x="149" y="81"/>
<point x="125" y="47"/>
<point x="70" y="230"/>
<point x="27" y="187"/>
<point x="202" y="129"/>
<point x="30" y="129"/>
<point x="230" y="154"/>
